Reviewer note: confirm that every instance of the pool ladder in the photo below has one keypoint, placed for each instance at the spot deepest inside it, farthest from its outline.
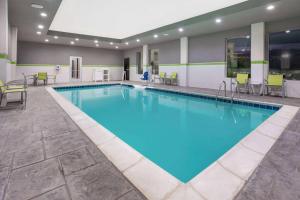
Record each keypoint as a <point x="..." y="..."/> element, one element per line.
<point x="222" y="85"/>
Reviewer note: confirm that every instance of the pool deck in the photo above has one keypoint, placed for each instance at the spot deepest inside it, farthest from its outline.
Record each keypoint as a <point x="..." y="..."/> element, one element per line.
<point x="41" y="159"/>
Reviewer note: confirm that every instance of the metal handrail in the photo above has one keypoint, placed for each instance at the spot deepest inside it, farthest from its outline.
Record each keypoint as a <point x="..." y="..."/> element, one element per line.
<point x="220" y="88"/>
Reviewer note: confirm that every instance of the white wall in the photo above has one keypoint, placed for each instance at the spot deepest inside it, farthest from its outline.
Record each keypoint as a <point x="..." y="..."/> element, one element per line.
<point x="63" y="75"/>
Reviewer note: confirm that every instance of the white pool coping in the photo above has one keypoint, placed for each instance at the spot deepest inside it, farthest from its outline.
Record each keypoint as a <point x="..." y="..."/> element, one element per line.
<point x="223" y="179"/>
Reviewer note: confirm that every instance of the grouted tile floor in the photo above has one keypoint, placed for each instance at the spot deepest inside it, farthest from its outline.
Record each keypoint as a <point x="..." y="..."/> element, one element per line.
<point x="44" y="155"/>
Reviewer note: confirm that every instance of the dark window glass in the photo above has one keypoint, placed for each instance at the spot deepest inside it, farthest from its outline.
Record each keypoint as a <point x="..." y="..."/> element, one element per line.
<point x="284" y="54"/>
<point x="238" y="56"/>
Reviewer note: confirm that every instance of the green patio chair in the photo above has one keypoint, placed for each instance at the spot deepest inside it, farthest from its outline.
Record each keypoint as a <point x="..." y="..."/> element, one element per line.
<point x="275" y="82"/>
<point x="17" y="86"/>
<point x="42" y="76"/>
<point x="162" y="77"/>
<point x="242" y="82"/>
<point x="173" y="78"/>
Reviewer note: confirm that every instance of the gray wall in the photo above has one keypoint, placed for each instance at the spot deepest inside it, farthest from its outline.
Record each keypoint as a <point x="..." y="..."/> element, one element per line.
<point x="38" y="53"/>
<point x="211" y="48"/>
<point x="131" y="54"/>
<point x="169" y="52"/>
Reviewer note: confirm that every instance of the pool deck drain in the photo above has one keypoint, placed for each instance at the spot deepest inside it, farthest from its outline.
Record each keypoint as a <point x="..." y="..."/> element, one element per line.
<point x="223" y="179"/>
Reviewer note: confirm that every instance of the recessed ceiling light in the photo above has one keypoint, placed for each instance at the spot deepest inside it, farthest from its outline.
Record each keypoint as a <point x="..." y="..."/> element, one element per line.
<point x="180" y="29"/>
<point x="72" y="42"/>
<point x="126" y="43"/>
<point x="218" y="20"/>
<point x="77" y="39"/>
<point x="116" y="47"/>
<point x="138" y="40"/>
<point x="39" y="32"/>
<point x="248" y="36"/>
<point x="46" y="40"/>
<point x="111" y="43"/>
<point x="41" y="26"/>
<point x="43" y="14"/>
<point x="55" y="37"/>
<point x="97" y="45"/>
<point x="166" y="34"/>
<point x="34" y="5"/>
<point x="287" y="31"/>
<point x="155" y="36"/>
<point x="96" y="41"/>
<point x="270" y="7"/>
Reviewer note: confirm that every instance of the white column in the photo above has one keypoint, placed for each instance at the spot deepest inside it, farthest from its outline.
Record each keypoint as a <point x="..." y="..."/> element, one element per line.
<point x="259" y="68"/>
<point x="184" y="48"/>
<point x="3" y="40"/>
<point x="13" y="53"/>
<point x="145" y="57"/>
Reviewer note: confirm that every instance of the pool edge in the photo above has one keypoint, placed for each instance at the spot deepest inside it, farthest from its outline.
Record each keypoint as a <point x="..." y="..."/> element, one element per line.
<point x="156" y="183"/>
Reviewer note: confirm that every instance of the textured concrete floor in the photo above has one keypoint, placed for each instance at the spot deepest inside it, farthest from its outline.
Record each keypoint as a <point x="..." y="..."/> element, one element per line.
<point x="44" y="155"/>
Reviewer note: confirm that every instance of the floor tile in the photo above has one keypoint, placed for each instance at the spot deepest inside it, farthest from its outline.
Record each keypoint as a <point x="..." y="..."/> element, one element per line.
<point x="56" y="194"/>
<point x="32" y="154"/>
<point x="258" y="142"/>
<point x="185" y="192"/>
<point x="76" y="160"/>
<point x="132" y="195"/>
<point x="30" y="181"/>
<point x="97" y="182"/>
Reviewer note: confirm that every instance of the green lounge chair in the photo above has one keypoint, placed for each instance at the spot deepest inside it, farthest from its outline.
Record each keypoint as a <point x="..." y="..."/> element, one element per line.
<point x="162" y="77"/>
<point x="275" y="82"/>
<point x="42" y="76"/>
<point x="242" y="82"/>
<point x="11" y="87"/>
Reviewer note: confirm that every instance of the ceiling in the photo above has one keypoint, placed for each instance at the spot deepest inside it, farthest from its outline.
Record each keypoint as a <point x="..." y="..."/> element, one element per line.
<point x="82" y="21"/>
<point x="122" y="19"/>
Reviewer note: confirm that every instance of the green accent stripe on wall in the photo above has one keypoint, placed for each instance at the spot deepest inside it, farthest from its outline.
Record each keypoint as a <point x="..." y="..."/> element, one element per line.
<point x="13" y="62"/>
<point x="259" y="62"/>
<point x="207" y="63"/>
<point x="102" y="66"/>
<point x="52" y="65"/>
<point x="3" y="56"/>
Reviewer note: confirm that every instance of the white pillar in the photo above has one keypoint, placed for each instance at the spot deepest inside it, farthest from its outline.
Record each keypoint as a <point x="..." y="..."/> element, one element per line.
<point x="3" y="40"/>
<point x="13" y="53"/>
<point x="184" y="69"/>
<point x="145" y="57"/>
<point x="259" y="67"/>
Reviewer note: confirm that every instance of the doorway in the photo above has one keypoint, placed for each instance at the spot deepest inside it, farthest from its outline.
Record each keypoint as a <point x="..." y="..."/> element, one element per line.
<point x="75" y="68"/>
<point x="126" y="69"/>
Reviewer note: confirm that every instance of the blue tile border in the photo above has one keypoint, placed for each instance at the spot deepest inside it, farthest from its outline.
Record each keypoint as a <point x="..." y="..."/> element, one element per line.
<point x="208" y="97"/>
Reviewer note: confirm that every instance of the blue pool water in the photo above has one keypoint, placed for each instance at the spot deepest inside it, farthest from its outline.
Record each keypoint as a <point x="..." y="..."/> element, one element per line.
<point x="182" y="134"/>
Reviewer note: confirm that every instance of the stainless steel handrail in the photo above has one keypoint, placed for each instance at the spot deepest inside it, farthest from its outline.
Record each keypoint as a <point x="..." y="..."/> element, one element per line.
<point x="220" y="88"/>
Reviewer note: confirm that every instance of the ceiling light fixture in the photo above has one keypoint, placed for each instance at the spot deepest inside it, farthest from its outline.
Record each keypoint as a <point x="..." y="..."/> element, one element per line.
<point x="270" y="7"/>
<point x="97" y="45"/>
<point x="72" y="42"/>
<point x="155" y="36"/>
<point x="34" y="5"/>
<point x="248" y="36"/>
<point x="77" y="39"/>
<point x="166" y="34"/>
<point x="218" y="20"/>
<point x="138" y="40"/>
<point x="180" y="29"/>
<point x="46" y="40"/>
<point x="287" y="31"/>
<point x="55" y="37"/>
<point x="111" y="43"/>
<point x="116" y="47"/>
<point x="127" y="43"/>
<point x="43" y="14"/>
<point x="96" y="41"/>
<point x="39" y="32"/>
<point x="41" y="26"/>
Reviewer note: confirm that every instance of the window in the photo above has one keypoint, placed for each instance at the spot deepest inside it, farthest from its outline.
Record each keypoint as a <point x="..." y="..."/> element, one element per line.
<point x="139" y="66"/>
<point x="238" y="52"/>
<point x="284" y="54"/>
<point x="154" y="61"/>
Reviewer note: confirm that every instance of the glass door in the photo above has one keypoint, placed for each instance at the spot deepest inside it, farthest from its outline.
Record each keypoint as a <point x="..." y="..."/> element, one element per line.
<point x="75" y="68"/>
